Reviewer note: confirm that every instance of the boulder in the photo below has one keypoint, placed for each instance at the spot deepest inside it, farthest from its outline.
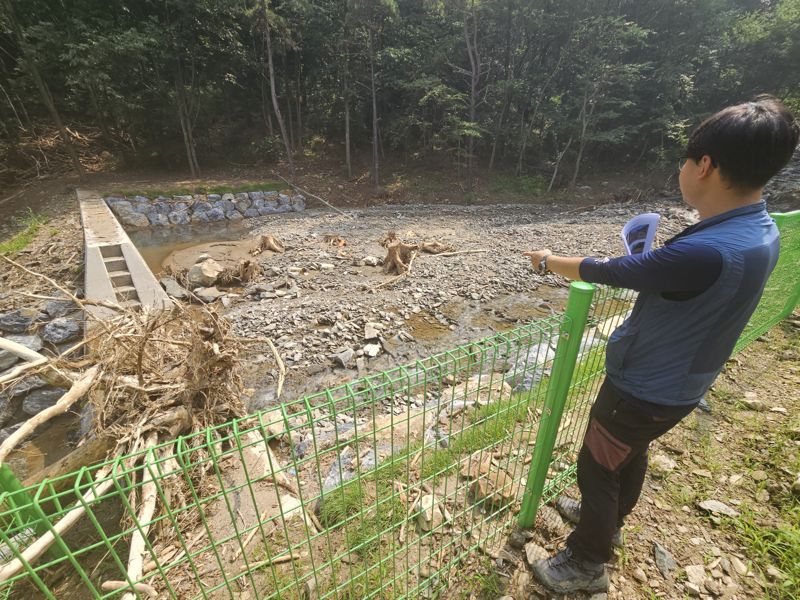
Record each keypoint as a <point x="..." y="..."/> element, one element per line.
<point x="251" y="212"/>
<point x="158" y="219"/>
<point x="213" y="198"/>
<point x="256" y="196"/>
<point x="343" y="357"/>
<point x="225" y="206"/>
<point x="228" y="197"/>
<point x="141" y="207"/>
<point x="200" y="216"/>
<point x="118" y="204"/>
<point x="208" y="294"/>
<point x="204" y="274"/>
<point x="179" y="217"/>
<point x="298" y="203"/>
<point x="185" y="198"/>
<point x="161" y="207"/>
<point x="234" y="215"/>
<point x="201" y="206"/>
<point x="216" y="214"/>
<point x="59" y="308"/>
<point x="242" y="202"/>
<point x="173" y="288"/>
<point x="61" y="330"/>
<point x="32" y="342"/>
<point x="38" y="400"/>
<point x="20" y="320"/>
<point x="131" y="218"/>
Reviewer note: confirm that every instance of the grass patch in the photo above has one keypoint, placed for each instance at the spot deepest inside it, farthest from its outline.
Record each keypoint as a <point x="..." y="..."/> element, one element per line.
<point x="778" y="546"/>
<point x="32" y="223"/>
<point x="267" y="186"/>
<point x="524" y="185"/>
<point x="342" y="502"/>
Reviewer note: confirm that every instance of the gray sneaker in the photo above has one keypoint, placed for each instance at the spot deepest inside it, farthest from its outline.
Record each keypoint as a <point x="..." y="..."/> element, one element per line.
<point x="570" y="509"/>
<point x="563" y="573"/>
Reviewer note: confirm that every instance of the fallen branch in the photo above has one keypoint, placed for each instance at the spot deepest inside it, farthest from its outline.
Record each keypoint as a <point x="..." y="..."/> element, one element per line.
<point x="461" y="252"/>
<point x="19" y="350"/>
<point x="79" y="388"/>
<point x="143" y="588"/>
<point x="325" y="202"/>
<point x="144" y="518"/>
<point x="41" y="545"/>
<point x="281" y="367"/>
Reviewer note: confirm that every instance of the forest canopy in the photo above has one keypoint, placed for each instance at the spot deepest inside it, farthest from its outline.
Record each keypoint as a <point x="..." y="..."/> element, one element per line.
<point x="516" y="85"/>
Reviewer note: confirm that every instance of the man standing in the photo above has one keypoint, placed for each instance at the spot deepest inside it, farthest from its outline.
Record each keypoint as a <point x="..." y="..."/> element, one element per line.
<point x="696" y="294"/>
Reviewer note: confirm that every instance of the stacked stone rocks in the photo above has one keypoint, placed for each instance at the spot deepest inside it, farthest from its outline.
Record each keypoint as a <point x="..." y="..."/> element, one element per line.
<point x="50" y="329"/>
<point x="165" y="211"/>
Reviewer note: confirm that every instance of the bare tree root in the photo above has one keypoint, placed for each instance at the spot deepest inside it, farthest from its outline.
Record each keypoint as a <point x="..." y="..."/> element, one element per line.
<point x="268" y="242"/>
<point x="245" y="272"/>
<point x="399" y="257"/>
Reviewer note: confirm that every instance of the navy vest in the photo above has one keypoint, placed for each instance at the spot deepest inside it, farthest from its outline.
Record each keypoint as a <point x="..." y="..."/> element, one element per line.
<point x="669" y="352"/>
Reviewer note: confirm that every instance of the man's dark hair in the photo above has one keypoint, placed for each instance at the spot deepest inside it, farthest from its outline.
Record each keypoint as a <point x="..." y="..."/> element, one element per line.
<point x="749" y="142"/>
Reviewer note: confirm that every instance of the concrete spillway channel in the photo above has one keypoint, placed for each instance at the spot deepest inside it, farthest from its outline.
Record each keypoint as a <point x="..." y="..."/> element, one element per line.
<point x="115" y="271"/>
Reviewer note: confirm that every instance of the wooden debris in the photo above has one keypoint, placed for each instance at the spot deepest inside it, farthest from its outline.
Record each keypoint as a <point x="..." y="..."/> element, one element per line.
<point x="335" y="240"/>
<point x="399" y="257"/>
<point x="436" y="247"/>
<point x="245" y="272"/>
<point x="268" y="242"/>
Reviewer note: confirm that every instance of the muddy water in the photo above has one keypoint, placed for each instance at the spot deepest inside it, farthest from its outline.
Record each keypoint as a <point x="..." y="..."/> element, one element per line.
<point x="155" y="245"/>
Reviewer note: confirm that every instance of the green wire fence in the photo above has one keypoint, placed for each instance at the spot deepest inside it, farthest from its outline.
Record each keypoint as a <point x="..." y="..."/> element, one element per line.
<point x="379" y="488"/>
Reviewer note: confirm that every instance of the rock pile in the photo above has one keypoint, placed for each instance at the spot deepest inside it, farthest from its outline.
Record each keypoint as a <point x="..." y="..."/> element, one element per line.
<point x="165" y="211"/>
<point x="49" y="329"/>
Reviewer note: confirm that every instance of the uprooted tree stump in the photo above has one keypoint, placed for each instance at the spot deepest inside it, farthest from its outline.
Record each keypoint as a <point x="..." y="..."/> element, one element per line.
<point x="335" y="240"/>
<point x="245" y="272"/>
<point x="399" y="257"/>
<point x="268" y="242"/>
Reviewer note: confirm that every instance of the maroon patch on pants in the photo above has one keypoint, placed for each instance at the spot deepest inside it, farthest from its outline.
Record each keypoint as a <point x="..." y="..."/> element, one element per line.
<point x="606" y="450"/>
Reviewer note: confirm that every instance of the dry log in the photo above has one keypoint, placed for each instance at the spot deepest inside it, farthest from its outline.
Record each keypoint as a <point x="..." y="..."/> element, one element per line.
<point x="436" y="247"/>
<point x="40" y="546"/>
<point x="144" y="518"/>
<point x="142" y="588"/>
<point x="76" y="392"/>
<point x="91" y="452"/>
<point x="52" y="375"/>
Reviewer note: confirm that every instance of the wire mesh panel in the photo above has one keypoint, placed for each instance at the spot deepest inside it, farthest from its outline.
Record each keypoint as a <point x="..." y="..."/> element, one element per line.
<point x="374" y="489"/>
<point x="782" y="291"/>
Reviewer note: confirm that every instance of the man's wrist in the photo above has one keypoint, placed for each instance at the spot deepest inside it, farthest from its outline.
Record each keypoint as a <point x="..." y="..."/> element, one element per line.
<point x="543" y="269"/>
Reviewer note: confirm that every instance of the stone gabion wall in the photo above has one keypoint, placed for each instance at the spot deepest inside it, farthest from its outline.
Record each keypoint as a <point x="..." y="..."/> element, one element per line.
<point x="165" y="211"/>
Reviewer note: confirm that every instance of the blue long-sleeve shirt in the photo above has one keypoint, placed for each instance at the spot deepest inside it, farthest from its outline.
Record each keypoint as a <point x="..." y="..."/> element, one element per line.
<point x="696" y="294"/>
<point x="678" y="271"/>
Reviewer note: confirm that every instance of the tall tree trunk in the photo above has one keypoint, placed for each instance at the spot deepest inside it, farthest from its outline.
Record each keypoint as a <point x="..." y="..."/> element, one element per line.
<point x="524" y="130"/>
<point x="559" y="157"/>
<point x="471" y="39"/>
<point x="185" y="119"/>
<point x="346" y="81"/>
<point x="266" y="113"/>
<point x="375" y="165"/>
<point x="41" y="86"/>
<point x="585" y="118"/>
<point x="508" y="76"/>
<point x="300" y="86"/>
<point x="275" y="106"/>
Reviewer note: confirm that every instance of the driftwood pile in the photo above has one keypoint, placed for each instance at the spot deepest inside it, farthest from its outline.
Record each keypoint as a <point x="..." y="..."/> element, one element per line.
<point x="149" y="377"/>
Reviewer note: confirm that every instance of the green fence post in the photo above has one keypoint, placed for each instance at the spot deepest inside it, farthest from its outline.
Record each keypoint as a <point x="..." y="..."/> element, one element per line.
<point x="25" y="513"/>
<point x="569" y="343"/>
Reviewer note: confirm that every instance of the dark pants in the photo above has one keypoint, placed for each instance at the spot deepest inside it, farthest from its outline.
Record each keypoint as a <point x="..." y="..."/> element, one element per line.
<point x="611" y="469"/>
